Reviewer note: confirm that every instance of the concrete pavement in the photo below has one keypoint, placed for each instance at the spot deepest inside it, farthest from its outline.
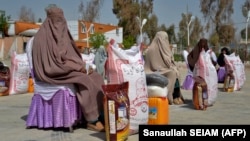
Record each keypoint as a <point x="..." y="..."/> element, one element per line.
<point x="230" y="108"/>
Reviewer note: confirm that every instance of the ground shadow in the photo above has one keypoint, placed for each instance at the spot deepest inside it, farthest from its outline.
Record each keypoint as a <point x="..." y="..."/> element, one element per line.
<point x="100" y="135"/>
<point x="188" y="104"/>
<point x="24" y="117"/>
<point x="221" y="89"/>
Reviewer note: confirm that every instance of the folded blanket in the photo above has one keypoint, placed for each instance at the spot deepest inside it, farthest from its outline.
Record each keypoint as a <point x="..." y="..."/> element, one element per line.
<point x="156" y="79"/>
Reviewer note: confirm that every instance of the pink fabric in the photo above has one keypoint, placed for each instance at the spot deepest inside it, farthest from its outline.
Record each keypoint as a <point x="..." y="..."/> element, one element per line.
<point x="234" y="63"/>
<point x="127" y="66"/>
<point x="61" y="111"/>
<point x="206" y="70"/>
<point x="188" y="83"/>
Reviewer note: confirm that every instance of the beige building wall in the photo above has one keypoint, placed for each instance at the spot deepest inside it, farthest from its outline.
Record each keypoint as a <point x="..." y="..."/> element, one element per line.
<point x="9" y="42"/>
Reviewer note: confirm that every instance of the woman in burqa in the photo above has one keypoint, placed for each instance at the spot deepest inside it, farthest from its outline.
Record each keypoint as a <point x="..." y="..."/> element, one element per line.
<point x="204" y="74"/>
<point x="100" y="60"/>
<point x="57" y="60"/>
<point x="221" y="62"/>
<point x="159" y="58"/>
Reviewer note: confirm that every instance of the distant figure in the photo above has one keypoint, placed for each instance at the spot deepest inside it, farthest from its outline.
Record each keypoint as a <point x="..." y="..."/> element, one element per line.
<point x="159" y="58"/>
<point x="100" y="60"/>
<point x="221" y="62"/>
<point x="213" y="56"/>
<point x="188" y="83"/>
<point x="221" y="57"/>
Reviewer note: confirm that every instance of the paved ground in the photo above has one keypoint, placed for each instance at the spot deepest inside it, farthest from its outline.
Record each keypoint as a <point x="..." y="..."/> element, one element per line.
<point x="230" y="108"/>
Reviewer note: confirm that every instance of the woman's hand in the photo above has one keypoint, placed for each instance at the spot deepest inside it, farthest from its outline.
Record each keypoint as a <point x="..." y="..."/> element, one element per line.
<point x="89" y="71"/>
<point x="83" y="70"/>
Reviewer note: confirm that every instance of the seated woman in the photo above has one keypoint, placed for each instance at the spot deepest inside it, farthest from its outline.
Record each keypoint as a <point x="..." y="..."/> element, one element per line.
<point x="221" y="62"/>
<point x="204" y="72"/>
<point x="56" y="60"/>
<point x="159" y="57"/>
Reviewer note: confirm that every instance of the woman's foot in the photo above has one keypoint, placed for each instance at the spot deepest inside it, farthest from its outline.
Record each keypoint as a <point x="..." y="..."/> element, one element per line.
<point x="96" y="126"/>
<point x="178" y="101"/>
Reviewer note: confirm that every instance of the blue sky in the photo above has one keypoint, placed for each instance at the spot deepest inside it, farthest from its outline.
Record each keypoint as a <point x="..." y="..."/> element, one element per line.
<point x="168" y="11"/>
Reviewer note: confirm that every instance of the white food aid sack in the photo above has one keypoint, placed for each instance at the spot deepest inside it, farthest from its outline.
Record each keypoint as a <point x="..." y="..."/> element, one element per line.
<point x="127" y="65"/>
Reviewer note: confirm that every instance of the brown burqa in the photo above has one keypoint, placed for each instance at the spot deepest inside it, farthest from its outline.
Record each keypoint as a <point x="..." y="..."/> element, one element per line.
<point x="159" y="57"/>
<point x="193" y="56"/>
<point x="56" y="60"/>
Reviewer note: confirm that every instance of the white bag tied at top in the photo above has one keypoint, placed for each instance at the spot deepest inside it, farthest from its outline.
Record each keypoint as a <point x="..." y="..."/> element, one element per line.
<point x="235" y="64"/>
<point x="127" y="65"/>
<point x="206" y="70"/>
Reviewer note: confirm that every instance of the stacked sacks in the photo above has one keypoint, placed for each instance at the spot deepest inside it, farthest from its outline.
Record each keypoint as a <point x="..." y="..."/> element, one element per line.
<point x="158" y="101"/>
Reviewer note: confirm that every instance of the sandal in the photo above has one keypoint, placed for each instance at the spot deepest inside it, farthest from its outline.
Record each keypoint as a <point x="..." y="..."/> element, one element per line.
<point x="96" y="126"/>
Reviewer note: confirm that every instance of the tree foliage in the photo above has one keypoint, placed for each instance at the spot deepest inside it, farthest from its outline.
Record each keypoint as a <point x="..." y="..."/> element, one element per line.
<point x="4" y="26"/>
<point x="97" y="39"/>
<point x="152" y="26"/>
<point x="244" y="9"/>
<point x="171" y="34"/>
<point x="214" y="39"/>
<point x="195" y="30"/>
<point x="26" y="15"/>
<point x="90" y="12"/>
<point x="129" y="11"/>
<point x="226" y="34"/>
<point x="218" y="13"/>
<point x="128" y="42"/>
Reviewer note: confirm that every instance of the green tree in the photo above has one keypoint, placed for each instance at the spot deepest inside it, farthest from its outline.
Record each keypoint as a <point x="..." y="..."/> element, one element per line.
<point x="128" y="42"/>
<point x="244" y="9"/>
<point x="226" y="34"/>
<point x="97" y="39"/>
<point x="152" y="27"/>
<point x="171" y="34"/>
<point x="214" y="39"/>
<point x="4" y="26"/>
<point x="195" y="30"/>
<point x="218" y="13"/>
<point x="129" y="11"/>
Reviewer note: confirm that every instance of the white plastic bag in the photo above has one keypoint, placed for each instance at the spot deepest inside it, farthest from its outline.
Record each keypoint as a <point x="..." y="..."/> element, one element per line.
<point x="206" y="70"/>
<point x="235" y="64"/>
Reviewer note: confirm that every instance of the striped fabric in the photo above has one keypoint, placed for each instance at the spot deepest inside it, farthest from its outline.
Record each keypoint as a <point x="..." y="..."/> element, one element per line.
<point x="61" y="111"/>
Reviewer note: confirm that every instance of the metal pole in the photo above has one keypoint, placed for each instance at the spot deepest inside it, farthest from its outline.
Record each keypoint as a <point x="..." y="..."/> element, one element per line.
<point x="246" y="41"/>
<point x="247" y="34"/>
<point x="141" y="33"/>
<point x="87" y="39"/>
<point x="188" y="33"/>
<point x="246" y="31"/>
<point x="192" y="18"/>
